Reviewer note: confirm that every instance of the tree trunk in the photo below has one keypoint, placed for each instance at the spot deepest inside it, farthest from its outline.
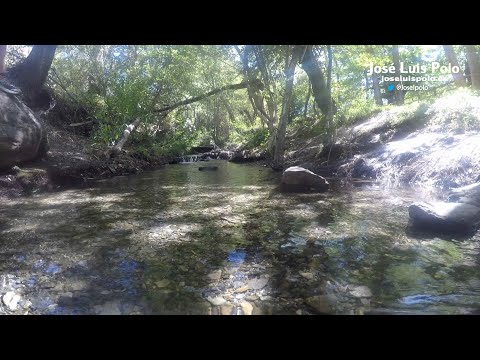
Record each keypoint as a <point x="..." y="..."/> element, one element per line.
<point x="315" y="75"/>
<point x="399" y="94"/>
<point x="117" y="149"/>
<point x="452" y="59"/>
<point x="287" y="97"/>
<point x="377" y="94"/>
<point x="474" y="65"/>
<point x="256" y="99"/>
<point x="31" y="74"/>
<point x="329" y="89"/>
<point x="307" y="100"/>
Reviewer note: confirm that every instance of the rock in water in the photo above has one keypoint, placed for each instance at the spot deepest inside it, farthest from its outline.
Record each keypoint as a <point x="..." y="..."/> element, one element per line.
<point x="296" y="178"/>
<point x="258" y="283"/>
<point x="247" y="308"/>
<point x="208" y="168"/>
<point x="109" y="308"/>
<point x="443" y="216"/>
<point x="215" y="275"/>
<point x="360" y="291"/>
<point x="322" y="303"/>
<point x="21" y="135"/>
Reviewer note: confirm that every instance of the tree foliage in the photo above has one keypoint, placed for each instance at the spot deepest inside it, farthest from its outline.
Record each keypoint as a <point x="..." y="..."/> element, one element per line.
<point x="119" y="83"/>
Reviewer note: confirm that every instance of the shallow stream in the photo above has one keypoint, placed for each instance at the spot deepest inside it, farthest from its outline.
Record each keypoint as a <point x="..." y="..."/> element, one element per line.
<point x="182" y="241"/>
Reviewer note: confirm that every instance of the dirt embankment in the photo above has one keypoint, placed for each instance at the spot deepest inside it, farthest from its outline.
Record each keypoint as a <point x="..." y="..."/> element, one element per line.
<point x="73" y="159"/>
<point x="434" y="144"/>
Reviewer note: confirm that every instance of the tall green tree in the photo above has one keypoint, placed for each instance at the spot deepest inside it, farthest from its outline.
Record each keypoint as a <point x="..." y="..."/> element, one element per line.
<point x="474" y="65"/>
<point x="452" y="59"/>
<point x="292" y="57"/>
<point x="399" y="94"/>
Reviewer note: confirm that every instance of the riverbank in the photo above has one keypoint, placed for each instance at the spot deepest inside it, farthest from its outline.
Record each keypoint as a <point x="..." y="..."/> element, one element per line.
<point x="428" y="144"/>
<point x="72" y="160"/>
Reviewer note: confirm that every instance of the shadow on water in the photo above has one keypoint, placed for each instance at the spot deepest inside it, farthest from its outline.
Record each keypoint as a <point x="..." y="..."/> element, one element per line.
<point x="183" y="241"/>
<point x="429" y="234"/>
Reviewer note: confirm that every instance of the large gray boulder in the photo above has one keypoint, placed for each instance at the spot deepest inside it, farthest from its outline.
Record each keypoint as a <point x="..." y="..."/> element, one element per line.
<point x="21" y="135"/>
<point x="443" y="216"/>
<point x="297" y="178"/>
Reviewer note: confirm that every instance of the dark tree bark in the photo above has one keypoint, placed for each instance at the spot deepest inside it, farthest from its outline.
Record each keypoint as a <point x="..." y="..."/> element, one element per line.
<point x="256" y="99"/>
<point x="367" y="83"/>
<point x="452" y="59"/>
<point x="307" y="100"/>
<point x="474" y="65"/>
<point x="31" y="74"/>
<point x="329" y="89"/>
<point x="399" y="94"/>
<point x="377" y="94"/>
<point x="315" y="75"/>
<point x="231" y="114"/>
<point x="294" y="56"/>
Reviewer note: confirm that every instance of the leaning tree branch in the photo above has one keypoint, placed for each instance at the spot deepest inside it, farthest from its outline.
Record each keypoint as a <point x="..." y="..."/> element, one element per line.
<point x="117" y="149"/>
<point x="242" y="85"/>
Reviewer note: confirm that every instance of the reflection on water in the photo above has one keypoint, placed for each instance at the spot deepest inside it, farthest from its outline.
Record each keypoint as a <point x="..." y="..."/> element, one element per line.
<point x="183" y="241"/>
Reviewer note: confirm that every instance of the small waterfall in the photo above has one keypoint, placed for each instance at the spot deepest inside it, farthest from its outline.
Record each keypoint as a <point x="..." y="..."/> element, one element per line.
<point x="188" y="159"/>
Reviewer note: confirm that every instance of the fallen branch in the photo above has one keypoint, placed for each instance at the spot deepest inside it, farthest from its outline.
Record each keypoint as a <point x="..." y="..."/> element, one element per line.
<point x="242" y="85"/>
<point x="232" y="222"/>
<point x="83" y="123"/>
<point x="117" y="149"/>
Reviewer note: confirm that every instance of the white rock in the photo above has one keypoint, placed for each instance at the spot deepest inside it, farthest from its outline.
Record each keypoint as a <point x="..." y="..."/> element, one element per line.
<point x="307" y="275"/>
<point x="109" y="308"/>
<point x="162" y="283"/>
<point x="258" y="283"/>
<point x="246" y="307"/>
<point x="10" y="299"/>
<point x="216" y="301"/>
<point x="215" y="275"/>
<point x="360" y="291"/>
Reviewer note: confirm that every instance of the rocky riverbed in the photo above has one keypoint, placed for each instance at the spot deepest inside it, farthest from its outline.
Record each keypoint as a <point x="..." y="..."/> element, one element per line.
<point x="183" y="241"/>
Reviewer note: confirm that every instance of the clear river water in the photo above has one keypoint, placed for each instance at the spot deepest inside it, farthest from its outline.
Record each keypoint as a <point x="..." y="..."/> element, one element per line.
<point x="181" y="241"/>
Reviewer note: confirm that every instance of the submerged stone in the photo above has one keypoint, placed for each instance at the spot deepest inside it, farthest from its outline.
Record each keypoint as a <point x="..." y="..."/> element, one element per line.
<point x="296" y="178"/>
<point x="258" y="283"/>
<point x="307" y="275"/>
<point x="208" y="168"/>
<point x="360" y="291"/>
<point x="215" y="275"/>
<point x="108" y="308"/>
<point x="322" y="303"/>
<point x="246" y="307"/>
